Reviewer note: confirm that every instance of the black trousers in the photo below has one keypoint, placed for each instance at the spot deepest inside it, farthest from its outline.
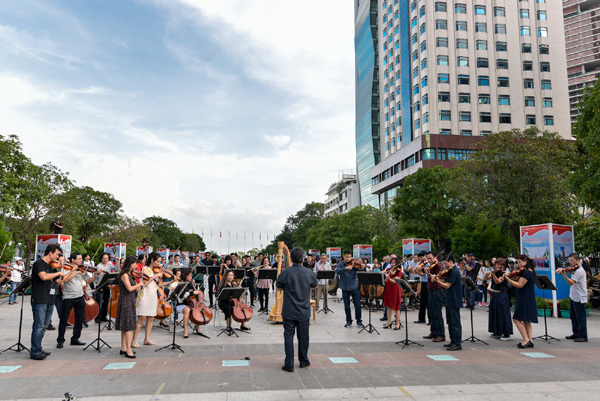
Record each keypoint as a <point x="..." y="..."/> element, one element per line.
<point x="78" y="304"/>
<point x="299" y="327"/>
<point x="263" y="298"/>
<point x="424" y="304"/>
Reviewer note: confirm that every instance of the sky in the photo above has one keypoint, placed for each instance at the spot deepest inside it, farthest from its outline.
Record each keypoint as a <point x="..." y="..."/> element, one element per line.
<point x="225" y="116"/>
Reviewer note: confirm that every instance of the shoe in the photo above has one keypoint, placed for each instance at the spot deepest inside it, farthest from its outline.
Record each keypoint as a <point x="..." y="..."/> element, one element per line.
<point x="47" y="353"/>
<point x="77" y="342"/>
<point x="348" y="324"/>
<point x="105" y="319"/>
<point x="185" y="336"/>
<point x="387" y="326"/>
<point x="429" y="324"/>
<point x="495" y="336"/>
<point x="85" y="324"/>
<point x="11" y="303"/>
<point x="455" y="348"/>
<point x="505" y="338"/>
<point x="581" y="340"/>
<point x="60" y="344"/>
<point x="399" y="327"/>
<point x="520" y="345"/>
<point x="38" y="357"/>
<point x="50" y="327"/>
<point x="448" y="345"/>
<point x="480" y="304"/>
<point x="383" y="319"/>
<point x="429" y="337"/>
<point x="572" y="337"/>
<point x="487" y="304"/>
<point x="287" y="368"/>
<point x="161" y="324"/>
<point x="439" y="339"/>
<point x="418" y="321"/>
<point x="121" y="352"/>
<point x="245" y="328"/>
<point x="305" y="365"/>
<point x="130" y="356"/>
<point x="361" y="325"/>
<point x="529" y="345"/>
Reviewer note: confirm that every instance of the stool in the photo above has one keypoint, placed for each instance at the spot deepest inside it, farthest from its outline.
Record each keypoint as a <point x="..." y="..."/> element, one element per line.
<point x="313" y="305"/>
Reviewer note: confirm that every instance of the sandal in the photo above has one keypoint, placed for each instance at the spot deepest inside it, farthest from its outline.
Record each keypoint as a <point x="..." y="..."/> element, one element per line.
<point x="149" y="343"/>
<point x="135" y="345"/>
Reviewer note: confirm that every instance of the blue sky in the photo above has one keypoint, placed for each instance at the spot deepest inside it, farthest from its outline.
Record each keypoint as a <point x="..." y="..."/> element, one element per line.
<point x="239" y="112"/>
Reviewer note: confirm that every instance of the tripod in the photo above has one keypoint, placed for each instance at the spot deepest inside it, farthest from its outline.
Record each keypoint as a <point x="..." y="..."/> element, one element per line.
<point x="175" y="294"/>
<point x="370" y="280"/>
<point x="267" y="274"/>
<point x="544" y="283"/>
<point x="406" y="289"/>
<point x="327" y="275"/>
<point x="227" y="294"/>
<point x="22" y="288"/>
<point x="98" y="343"/>
<point x="467" y="282"/>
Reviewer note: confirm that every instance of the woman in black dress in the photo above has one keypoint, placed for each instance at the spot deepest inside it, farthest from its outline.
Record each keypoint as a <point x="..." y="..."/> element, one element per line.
<point x="225" y="305"/>
<point x="499" y="324"/>
<point x="126" y="320"/>
<point x="525" y="308"/>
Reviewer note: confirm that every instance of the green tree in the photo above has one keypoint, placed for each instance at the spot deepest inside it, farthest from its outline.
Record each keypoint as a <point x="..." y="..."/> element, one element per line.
<point x="302" y="221"/>
<point x="587" y="235"/>
<point x="13" y="166"/>
<point x="194" y="243"/>
<point x="585" y="180"/>
<point x="7" y="245"/>
<point x="484" y="239"/>
<point x="518" y="178"/>
<point x="166" y="230"/>
<point x="426" y="205"/>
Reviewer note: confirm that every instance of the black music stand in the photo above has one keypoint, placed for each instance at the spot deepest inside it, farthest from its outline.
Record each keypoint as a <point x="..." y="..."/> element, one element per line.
<point x="405" y="290"/>
<point x="98" y="343"/>
<point x="21" y="288"/>
<point x="227" y="294"/>
<point x="370" y="280"/>
<point x="198" y="270"/>
<point x="111" y="279"/>
<point x="328" y="275"/>
<point x="175" y="294"/>
<point x="214" y="271"/>
<point x="544" y="283"/>
<point x="467" y="282"/>
<point x="267" y="274"/>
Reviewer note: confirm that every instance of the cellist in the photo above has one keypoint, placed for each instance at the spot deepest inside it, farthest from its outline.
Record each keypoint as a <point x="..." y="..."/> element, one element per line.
<point x="182" y="306"/>
<point x="225" y="305"/>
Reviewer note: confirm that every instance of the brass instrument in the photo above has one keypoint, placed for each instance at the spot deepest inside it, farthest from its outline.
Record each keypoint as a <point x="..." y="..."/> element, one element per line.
<point x="275" y="315"/>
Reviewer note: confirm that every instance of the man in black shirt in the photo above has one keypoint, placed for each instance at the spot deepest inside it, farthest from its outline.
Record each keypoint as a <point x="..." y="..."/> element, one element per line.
<point x="296" y="283"/>
<point x="453" y="286"/>
<point x="43" y="290"/>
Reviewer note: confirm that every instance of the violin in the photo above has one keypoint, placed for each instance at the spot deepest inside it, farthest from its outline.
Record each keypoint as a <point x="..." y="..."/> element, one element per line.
<point x="356" y="264"/>
<point x="166" y="272"/>
<point x="56" y="265"/>
<point x="571" y="268"/>
<point x="515" y="273"/>
<point x="444" y="273"/>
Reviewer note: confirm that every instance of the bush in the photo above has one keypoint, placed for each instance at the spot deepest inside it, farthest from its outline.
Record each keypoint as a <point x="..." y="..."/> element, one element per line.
<point x="564" y="304"/>
<point x="539" y="303"/>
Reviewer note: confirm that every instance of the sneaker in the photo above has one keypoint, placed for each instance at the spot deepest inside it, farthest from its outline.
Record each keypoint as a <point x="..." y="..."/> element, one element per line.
<point x="383" y="319"/>
<point x="495" y="336"/>
<point x="480" y="304"/>
<point x="348" y="324"/>
<point x="50" y="327"/>
<point x="360" y="324"/>
<point x="454" y="348"/>
<point x="38" y="357"/>
<point x="581" y="340"/>
<point x="487" y="304"/>
<point x="505" y="337"/>
<point x="571" y="337"/>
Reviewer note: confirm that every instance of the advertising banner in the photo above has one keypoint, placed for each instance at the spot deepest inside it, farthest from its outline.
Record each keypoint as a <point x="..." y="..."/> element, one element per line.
<point x="140" y="250"/>
<point x="412" y="246"/>
<point x="334" y="253"/>
<point x="315" y="252"/>
<point x="43" y="240"/>
<point x="363" y="251"/>
<point x="117" y="248"/>
<point x="164" y="252"/>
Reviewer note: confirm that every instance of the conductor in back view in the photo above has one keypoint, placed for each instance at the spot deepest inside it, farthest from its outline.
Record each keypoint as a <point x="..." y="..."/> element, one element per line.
<point x="296" y="283"/>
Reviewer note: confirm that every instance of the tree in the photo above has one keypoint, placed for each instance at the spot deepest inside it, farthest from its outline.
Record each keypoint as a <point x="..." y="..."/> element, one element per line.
<point x="302" y="221"/>
<point x="426" y="205"/>
<point x="166" y="230"/>
<point x="7" y="245"/>
<point x="518" y="178"/>
<point x="483" y="238"/>
<point x="13" y="165"/>
<point x="587" y="236"/>
<point x="194" y="243"/>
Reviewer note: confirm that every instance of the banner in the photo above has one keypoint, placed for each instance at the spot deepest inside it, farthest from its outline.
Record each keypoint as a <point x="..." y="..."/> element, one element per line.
<point x="140" y="250"/>
<point x="363" y="251"/>
<point x="42" y="241"/>
<point x="334" y="253"/>
<point x="117" y="248"/>
<point x="164" y="252"/>
<point x="315" y="252"/>
<point x="412" y="246"/>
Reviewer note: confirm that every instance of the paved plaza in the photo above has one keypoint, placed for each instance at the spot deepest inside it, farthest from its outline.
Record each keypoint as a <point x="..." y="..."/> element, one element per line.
<point x="345" y="364"/>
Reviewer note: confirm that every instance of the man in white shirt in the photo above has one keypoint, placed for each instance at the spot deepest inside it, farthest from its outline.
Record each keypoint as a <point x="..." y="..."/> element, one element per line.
<point x="105" y="266"/>
<point x="577" y="299"/>
<point x="15" y="280"/>
<point x="322" y="284"/>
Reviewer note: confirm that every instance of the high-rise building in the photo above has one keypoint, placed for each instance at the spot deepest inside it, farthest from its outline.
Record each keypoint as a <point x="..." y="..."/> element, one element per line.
<point x="342" y="196"/>
<point x="582" y="40"/>
<point x="367" y="96"/>
<point x="451" y="72"/>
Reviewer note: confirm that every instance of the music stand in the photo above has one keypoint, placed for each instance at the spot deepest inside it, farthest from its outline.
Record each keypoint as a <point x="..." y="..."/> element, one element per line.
<point x="328" y="275"/>
<point x="214" y="271"/>
<point x="107" y="279"/>
<point x="544" y="283"/>
<point x="227" y="294"/>
<point x="21" y="288"/>
<point x="370" y="280"/>
<point x="267" y="274"/>
<point x="175" y="294"/>
<point x="198" y="270"/>
<point x="467" y="282"/>
<point x="98" y="343"/>
<point x="406" y="290"/>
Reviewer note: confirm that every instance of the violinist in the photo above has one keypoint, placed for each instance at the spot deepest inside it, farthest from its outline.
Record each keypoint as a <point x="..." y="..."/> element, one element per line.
<point x="525" y="309"/>
<point x="323" y="286"/>
<point x="213" y="279"/>
<point x="419" y="269"/>
<point x="577" y="298"/>
<point x="263" y="288"/>
<point x="436" y="298"/>
<point x="105" y="266"/>
<point x="250" y="280"/>
<point x="392" y="297"/>
<point x="5" y="272"/>
<point x="499" y="323"/>
<point x="58" y="298"/>
<point x="147" y="300"/>
<point x="15" y="279"/>
<point x="346" y="270"/>
<point x="225" y="305"/>
<point x="182" y="306"/>
<point x="125" y="320"/>
<point x="453" y="286"/>
<point x="72" y="283"/>
<point x="141" y="262"/>
<point x="43" y="291"/>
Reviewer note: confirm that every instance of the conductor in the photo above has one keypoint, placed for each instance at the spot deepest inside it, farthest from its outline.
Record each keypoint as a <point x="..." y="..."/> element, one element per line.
<point x="296" y="283"/>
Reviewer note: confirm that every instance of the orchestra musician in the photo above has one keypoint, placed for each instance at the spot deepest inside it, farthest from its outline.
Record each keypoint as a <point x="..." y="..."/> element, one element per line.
<point x="525" y="307"/>
<point x="577" y="298"/>
<point x="499" y="324"/>
<point x="125" y="320"/>
<point x="73" y="284"/>
<point x="346" y="270"/>
<point x="105" y="266"/>
<point x="225" y="305"/>
<point x="263" y="288"/>
<point x="392" y="296"/>
<point x="147" y="300"/>
<point x="436" y="297"/>
<point x="323" y="284"/>
<point x="15" y="279"/>
<point x="182" y="306"/>
<point x="453" y="286"/>
<point x="424" y="294"/>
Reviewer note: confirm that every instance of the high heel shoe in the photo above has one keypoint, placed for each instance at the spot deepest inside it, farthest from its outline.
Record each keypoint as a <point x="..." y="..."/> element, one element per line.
<point x="398" y="327"/>
<point x="387" y="326"/>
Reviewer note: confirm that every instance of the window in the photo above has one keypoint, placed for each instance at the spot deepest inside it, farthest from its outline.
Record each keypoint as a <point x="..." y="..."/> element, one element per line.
<point x="529" y="101"/>
<point x="425" y="118"/>
<point x="530" y="119"/>
<point x="547" y="102"/>
<point x="500" y="28"/>
<point x="464" y="116"/>
<point x="461" y="25"/>
<point x="466" y="132"/>
<point x="483" y="80"/>
<point x="460" y="8"/>
<point x="548" y="120"/>
<point x="502" y="82"/>
<point x="501" y="46"/>
<point x="441" y="42"/>
<point x="540" y="1"/>
<point x="464" y="98"/>
<point x="481" y="45"/>
<point x="504" y="118"/>
<point x="480" y="27"/>
<point x="479" y="10"/>
<point x="443" y="97"/>
<point x="425" y="99"/>
<point x="484" y="99"/>
<point x="526" y="48"/>
<point x="541" y="16"/>
<point x="504" y="100"/>
<point x="543" y="32"/>
<point x="502" y="64"/>
<point x="441" y="24"/>
<point x="524" y="13"/>
<point x="463" y="79"/>
<point x="544" y="49"/>
<point x="442" y="153"/>
<point x="413" y="23"/>
<point x="546" y="84"/>
<point x="525" y="31"/>
<point x="445" y="115"/>
<point x="527" y="66"/>
<point x="482" y="62"/>
<point x="417" y="124"/>
<point x="422" y="29"/>
<point x="445" y="131"/>
<point x="423" y="46"/>
<point x="462" y="61"/>
<point x="485" y="117"/>
<point x="462" y="44"/>
<point x="443" y="78"/>
<point x="421" y="12"/>
<point x="485" y="133"/>
<point x="423" y="67"/>
<point x="415" y="56"/>
<point x="416" y="89"/>
<point x="440" y="6"/>
<point x="499" y="12"/>
<point x="442" y="60"/>
<point x="528" y="83"/>
<point x="544" y="66"/>
<point x="424" y="82"/>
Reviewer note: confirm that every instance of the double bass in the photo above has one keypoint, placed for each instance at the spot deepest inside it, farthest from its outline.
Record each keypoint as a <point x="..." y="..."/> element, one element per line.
<point x="200" y="314"/>
<point x="275" y="314"/>
<point x="91" y="310"/>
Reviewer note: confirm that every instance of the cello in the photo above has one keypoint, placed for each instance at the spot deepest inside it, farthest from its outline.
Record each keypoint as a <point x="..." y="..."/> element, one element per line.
<point x="91" y="310"/>
<point x="275" y="314"/>
<point x="200" y="314"/>
<point x="163" y="308"/>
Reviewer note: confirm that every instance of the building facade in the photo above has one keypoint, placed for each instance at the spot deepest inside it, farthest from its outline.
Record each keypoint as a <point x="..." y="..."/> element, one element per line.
<point x="582" y="41"/>
<point x="453" y="71"/>
<point x="342" y="196"/>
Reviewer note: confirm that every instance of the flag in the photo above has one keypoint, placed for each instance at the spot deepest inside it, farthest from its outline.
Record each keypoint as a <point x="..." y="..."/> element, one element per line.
<point x="236" y="237"/>
<point x="203" y="232"/>
<point x="229" y="234"/>
<point x="220" y="234"/>
<point x="260" y="236"/>
<point x="244" y="235"/>
<point x="211" y="233"/>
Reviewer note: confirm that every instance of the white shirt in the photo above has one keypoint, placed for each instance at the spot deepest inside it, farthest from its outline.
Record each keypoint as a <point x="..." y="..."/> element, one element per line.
<point x="578" y="291"/>
<point x="318" y="266"/>
<point x="15" y="275"/>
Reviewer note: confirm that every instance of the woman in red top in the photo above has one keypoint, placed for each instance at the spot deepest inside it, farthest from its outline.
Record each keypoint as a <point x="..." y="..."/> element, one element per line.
<point x="392" y="297"/>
